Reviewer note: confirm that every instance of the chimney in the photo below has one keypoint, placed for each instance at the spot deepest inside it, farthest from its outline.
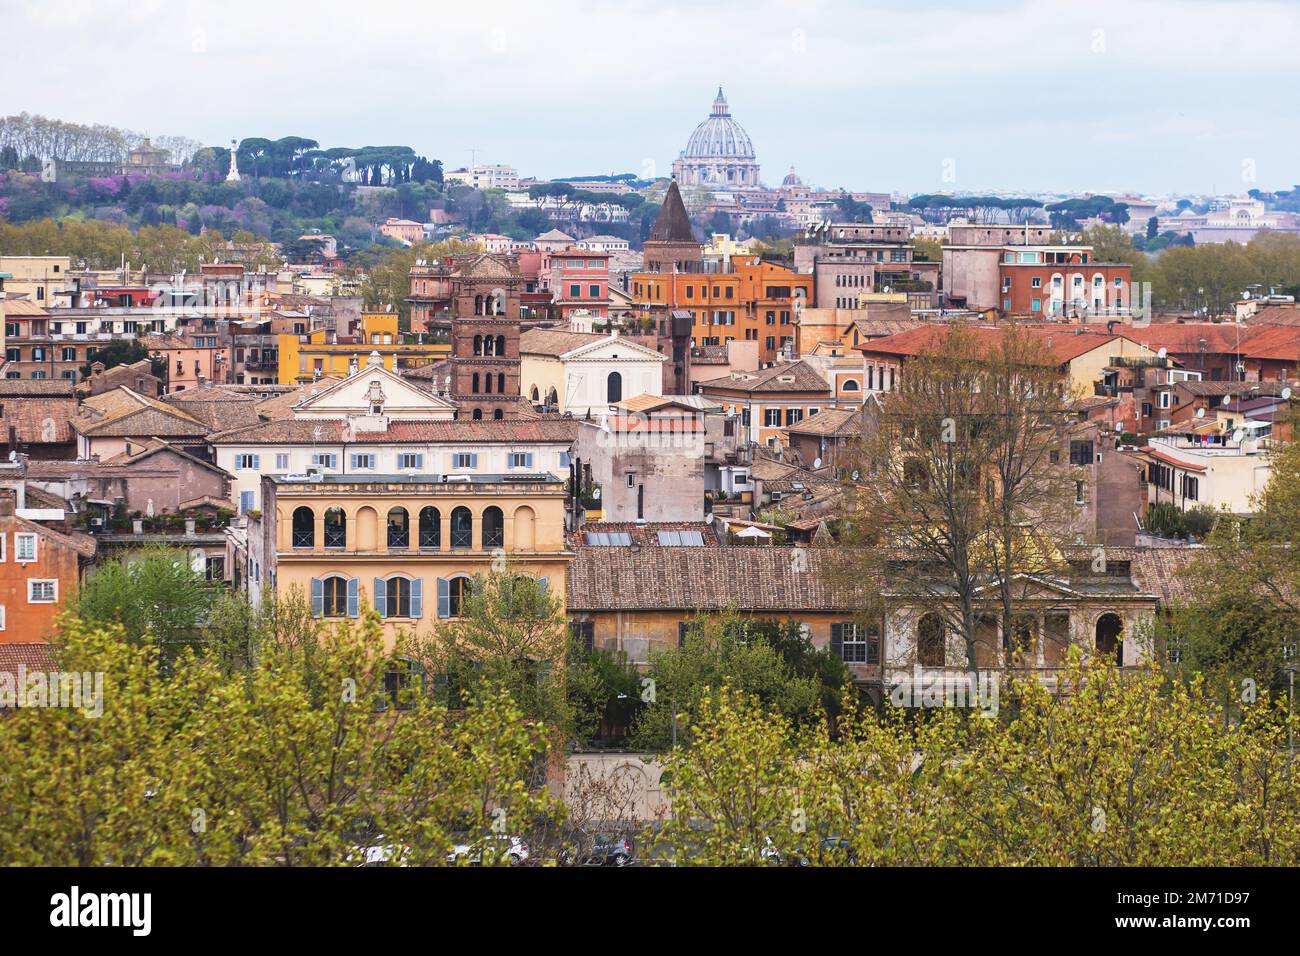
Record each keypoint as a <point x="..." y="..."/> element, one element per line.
<point x="8" y="502"/>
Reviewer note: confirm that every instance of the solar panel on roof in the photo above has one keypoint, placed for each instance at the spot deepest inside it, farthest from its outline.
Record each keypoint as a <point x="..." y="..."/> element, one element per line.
<point x="690" y="539"/>
<point x="609" y="539"/>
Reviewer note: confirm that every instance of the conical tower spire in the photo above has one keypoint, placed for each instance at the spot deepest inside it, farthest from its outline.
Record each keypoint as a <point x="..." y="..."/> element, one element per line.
<point x="673" y="225"/>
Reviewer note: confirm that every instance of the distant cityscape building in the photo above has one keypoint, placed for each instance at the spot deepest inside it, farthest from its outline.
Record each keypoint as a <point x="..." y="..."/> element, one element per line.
<point x="719" y="153"/>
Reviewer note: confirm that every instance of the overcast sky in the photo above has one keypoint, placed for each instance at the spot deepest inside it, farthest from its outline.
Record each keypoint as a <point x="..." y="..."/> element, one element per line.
<point x="1159" y="97"/>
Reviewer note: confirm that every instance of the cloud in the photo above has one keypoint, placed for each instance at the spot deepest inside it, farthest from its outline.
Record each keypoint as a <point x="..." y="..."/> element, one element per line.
<point x="1156" y="95"/>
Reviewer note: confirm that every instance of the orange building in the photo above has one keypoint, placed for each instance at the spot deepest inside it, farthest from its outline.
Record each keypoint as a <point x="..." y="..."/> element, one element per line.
<point x="40" y="571"/>
<point x="755" y="301"/>
<point x="734" y="298"/>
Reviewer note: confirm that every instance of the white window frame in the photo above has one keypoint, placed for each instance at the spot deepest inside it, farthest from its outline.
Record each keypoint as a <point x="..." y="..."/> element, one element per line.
<point x="248" y="461"/>
<point x="54" y="590"/>
<point x="282" y="461"/>
<point x="19" y="538"/>
<point x="4" y="556"/>
<point x="325" y="459"/>
<point x="410" y="460"/>
<point x="363" y="461"/>
<point x="2" y="617"/>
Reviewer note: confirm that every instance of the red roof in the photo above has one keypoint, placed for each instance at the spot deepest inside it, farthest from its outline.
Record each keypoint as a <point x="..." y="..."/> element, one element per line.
<point x="1281" y="343"/>
<point x="31" y="655"/>
<point x="1066" y="342"/>
<point x="1184" y="338"/>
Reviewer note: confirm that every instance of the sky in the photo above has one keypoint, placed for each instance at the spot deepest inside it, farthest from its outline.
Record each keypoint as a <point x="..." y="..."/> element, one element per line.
<point x="1158" y="97"/>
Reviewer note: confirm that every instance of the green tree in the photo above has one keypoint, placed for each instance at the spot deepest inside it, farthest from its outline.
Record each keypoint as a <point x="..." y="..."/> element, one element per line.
<point x="310" y="755"/>
<point x="154" y="594"/>
<point x="760" y="658"/>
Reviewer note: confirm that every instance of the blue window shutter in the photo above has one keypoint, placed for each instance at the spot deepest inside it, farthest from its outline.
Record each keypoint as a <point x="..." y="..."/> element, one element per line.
<point x="564" y="459"/>
<point x="354" y="597"/>
<point x="245" y="502"/>
<point x="528" y="460"/>
<point x="257" y="461"/>
<point x="381" y="597"/>
<point x="473" y="460"/>
<point x="417" y="597"/>
<point x="317" y="597"/>
<point x="543" y="584"/>
<point x="444" y="598"/>
<point x="419" y="461"/>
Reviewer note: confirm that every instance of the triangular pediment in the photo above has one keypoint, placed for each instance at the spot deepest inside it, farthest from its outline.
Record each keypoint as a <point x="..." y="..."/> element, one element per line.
<point x="355" y="394"/>
<point x="615" y="345"/>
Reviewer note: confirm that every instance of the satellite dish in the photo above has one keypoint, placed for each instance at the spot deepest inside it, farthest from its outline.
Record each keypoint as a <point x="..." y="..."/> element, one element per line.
<point x="595" y="493"/>
<point x="1200" y="413"/>
<point x="1162" y="353"/>
<point x="1119" y="427"/>
<point x="817" y="463"/>
<point x="1238" y="435"/>
<point x="855" y="476"/>
<point x="1286" y="394"/>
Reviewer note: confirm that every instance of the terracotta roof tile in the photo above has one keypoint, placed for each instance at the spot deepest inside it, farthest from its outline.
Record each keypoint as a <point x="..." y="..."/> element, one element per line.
<point x="305" y="431"/>
<point x="38" y="420"/>
<point x="34" y="657"/>
<point x="746" y="577"/>
<point x="799" y="376"/>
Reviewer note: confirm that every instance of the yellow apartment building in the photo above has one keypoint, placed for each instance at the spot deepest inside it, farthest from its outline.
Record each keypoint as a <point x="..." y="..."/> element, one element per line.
<point x="315" y="355"/>
<point x="407" y="545"/>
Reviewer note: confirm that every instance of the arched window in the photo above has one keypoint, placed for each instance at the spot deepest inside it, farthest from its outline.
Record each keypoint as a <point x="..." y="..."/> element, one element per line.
<point x="462" y="528"/>
<point x="457" y="594"/>
<point x="478" y="345"/>
<point x="487" y="383"/>
<point x="430" y="527"/>
<point x="494" y="527"/>
<point x="336" y="528"/>
<point x="497" y="414"/>
<point x="552" y="398"/>
<point x="535" y="396"/>
<point x="501" y="383"/>
<point x="335" y="597"/>
<point x="474" y="384"/>
<point x="850" y="385"/>
<point x="614" y="388"/>
<point x="478" y="414"/>
<point x="304" y="527"/>
<point x="1110" y="641"/>
<point x="397" y="597"/>
<point x="399" y="529"/>
<point x="487" y="345"/>
<point x="478" y="305"/>
<point x="501" y="345"/>
<point x="930" y="644"/>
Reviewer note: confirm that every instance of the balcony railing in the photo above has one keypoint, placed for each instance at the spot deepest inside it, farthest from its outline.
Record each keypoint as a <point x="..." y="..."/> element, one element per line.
<point x="304" y="539"/>
<point x="335" y="538"/>
<point x="462" y="538"/>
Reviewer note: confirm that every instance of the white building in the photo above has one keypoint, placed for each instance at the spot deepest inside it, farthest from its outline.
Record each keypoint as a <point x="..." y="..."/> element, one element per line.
<point x="485" y="177"/>
<point x="583" y="373"/>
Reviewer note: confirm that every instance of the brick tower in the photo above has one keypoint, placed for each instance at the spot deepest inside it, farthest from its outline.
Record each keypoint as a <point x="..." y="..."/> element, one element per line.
<point x="485" y="337"/>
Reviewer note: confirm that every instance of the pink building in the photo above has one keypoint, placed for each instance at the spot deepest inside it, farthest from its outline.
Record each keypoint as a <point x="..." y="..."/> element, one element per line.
<point x="579" y="281"/>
